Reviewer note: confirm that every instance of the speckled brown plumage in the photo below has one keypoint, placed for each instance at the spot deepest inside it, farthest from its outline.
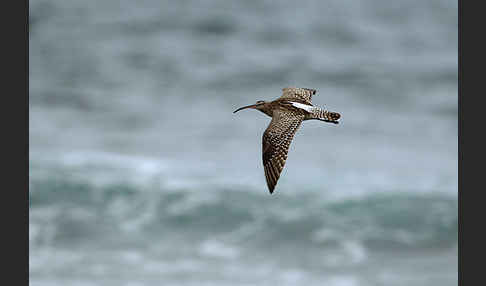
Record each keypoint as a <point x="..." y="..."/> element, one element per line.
<point x="295" y="93"/>
<point x="276" y="143"/>
<point x="287" y="112"/>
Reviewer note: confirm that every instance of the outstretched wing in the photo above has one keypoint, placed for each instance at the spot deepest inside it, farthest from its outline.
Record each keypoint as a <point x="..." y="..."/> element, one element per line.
<point x="276" y="142"/>
<point x="299" y="94"/>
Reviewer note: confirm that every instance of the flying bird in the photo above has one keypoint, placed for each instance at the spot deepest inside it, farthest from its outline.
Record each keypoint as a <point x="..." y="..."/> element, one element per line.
<point x="287" y="112"/>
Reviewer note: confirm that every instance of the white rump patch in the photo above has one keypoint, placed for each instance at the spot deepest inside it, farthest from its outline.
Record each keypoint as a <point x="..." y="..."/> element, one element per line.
<point x="305" y="107"/>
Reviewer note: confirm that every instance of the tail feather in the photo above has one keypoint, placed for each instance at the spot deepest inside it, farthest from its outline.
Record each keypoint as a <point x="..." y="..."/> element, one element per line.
<point x="324" y="115"/>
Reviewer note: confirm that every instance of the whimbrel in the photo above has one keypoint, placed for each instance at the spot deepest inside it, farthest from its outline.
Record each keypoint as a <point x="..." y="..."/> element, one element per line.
<point x="287" y="112"/>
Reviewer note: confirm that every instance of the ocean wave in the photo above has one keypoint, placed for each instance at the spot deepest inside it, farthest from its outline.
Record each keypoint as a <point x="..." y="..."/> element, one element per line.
<point x="64" y="211"/>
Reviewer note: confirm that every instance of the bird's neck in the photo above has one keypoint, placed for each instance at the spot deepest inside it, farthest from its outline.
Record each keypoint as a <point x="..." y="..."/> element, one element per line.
<point x="267" y="111"/>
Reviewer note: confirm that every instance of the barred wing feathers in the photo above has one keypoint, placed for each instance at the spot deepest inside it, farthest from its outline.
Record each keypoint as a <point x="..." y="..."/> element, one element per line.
<point x="303" y="95"/>
<point x="276" y="142"/>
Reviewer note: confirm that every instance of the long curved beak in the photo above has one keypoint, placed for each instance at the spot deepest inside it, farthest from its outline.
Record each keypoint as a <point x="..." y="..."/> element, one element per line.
<point x="244" y="107"/>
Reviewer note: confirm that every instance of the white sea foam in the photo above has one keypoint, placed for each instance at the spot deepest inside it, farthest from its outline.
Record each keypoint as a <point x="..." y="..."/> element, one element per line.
<point x="217" y="249"/>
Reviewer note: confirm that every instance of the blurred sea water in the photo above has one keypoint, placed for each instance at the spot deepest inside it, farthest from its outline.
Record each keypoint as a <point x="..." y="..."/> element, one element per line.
<point x="140" y="174"/>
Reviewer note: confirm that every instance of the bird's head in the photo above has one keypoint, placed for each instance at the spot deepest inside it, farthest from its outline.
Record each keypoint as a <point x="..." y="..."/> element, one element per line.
<point x="258" y="105"/>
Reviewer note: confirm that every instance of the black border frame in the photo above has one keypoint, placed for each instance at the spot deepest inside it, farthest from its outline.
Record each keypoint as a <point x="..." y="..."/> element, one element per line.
<point x="15" y="80"/>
